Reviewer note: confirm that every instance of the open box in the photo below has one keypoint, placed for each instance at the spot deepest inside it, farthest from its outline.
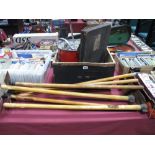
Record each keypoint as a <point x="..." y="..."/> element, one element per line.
<point x="74" y="72"/>
<point x="124" y="69"/>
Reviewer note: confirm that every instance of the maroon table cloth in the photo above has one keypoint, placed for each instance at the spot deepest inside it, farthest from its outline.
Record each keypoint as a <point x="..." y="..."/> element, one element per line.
<point x="33" y="121"/>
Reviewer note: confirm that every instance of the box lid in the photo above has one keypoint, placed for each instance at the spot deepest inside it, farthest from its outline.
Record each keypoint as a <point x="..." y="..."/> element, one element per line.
<point x="94" y="42"/>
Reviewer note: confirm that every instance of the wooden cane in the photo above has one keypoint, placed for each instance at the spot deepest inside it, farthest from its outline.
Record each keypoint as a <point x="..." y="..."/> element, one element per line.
<point x="110" y="78"/>
<point x="75" y="107"/>
<point x="76" y="86"/>
<point x="49" y="100"/>
<point x="74" y="94"/>
<point x="25" y="94"/>
<point x="48" y="85"/>
<point x="128" y="81"/>
<point x="94" y="81"/>
<point x="55" y="85"/>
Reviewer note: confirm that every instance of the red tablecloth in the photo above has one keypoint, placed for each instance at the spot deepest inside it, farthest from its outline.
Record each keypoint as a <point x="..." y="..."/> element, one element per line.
<point x="26" y="121"/>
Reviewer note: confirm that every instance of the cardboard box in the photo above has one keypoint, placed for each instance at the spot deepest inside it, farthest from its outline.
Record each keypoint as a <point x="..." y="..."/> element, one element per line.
<point x="124" y="69"/>
<point x="34" y="37"/>
<point x="140" y="44"/>
<point x="74" y="72"/>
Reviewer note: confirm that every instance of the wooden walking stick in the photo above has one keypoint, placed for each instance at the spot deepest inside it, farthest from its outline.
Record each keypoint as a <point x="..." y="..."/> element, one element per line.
<point x="74" y="94"/>
<point x="76" y="86"/>
<point x="110" y="78"/>
<point x="105" y="107"/>
<point x="88" y="82"/>
<point x="76" y="107"/>
<point x="49" y="100"/>
<point x="48" y="85"/>
<point x="128" y="81"/>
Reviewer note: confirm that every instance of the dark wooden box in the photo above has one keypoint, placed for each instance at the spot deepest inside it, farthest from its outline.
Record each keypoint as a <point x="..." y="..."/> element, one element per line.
<point x="74" y="72"/>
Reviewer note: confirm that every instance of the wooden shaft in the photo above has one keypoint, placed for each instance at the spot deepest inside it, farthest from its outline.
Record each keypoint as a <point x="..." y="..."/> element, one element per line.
<point x="25" y="94"/>
<point x="75" y="86"/>
<point x="49" y="100"/>
<point x="117" y="82"/>
<point x="110" y="78"/>
<point x="92" y="81"/>
<point x="74" y="107"/>
<point x="48" y="85"/>
<point x="75" y="94"/>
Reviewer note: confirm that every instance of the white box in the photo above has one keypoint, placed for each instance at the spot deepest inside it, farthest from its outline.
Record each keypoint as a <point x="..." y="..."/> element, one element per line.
<point x="34" y="37"/>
